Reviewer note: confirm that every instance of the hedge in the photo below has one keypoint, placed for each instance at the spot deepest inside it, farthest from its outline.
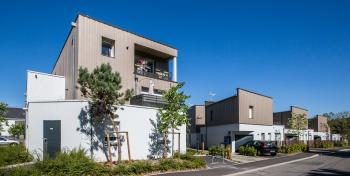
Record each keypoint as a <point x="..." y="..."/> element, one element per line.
<point x="13" y="155"/>
<point x="246" y="150"/>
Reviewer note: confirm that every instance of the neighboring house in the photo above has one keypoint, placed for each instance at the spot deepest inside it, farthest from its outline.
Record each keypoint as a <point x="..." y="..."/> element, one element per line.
<point x="146" y="66"/>
<point x="57" y="112"/>
<point x="196" y="116"/>
<point x="238" y="119"/>
<point x="321" y="127"/>
<point x="13" y="116"/>
<point x="282" y="118"/>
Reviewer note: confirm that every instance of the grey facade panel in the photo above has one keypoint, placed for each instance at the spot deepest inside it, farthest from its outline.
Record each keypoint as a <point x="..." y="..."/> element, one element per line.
<point x="222" y="112"/>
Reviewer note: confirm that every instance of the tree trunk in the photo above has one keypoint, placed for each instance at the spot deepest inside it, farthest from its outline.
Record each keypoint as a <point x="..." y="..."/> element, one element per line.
<point x="109" y="149"/>
<point x="165" y="151"/>
<point x="172" y="142"/>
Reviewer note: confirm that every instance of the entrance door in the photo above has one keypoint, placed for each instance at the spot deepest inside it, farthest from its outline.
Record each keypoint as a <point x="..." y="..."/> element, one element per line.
<point x="52" y="137"/>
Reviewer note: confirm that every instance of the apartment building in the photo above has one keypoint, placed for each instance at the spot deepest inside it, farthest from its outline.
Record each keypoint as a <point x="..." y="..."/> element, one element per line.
<point x="282" y="118"/>
<point x="146" y="66"/>
<point x="321" y="128"/>
<point x="196" y="116"/>
<point x="240" y="118"/>
<point x="57" y="115"/>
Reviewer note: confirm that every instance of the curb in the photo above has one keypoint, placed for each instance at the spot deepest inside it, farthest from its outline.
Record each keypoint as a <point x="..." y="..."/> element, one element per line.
<point x="273" y="165"/>
<point x="17" y="165"/>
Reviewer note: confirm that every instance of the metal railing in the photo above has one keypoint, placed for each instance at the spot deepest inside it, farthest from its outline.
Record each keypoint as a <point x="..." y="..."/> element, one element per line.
<point x="161" y="76"/>
<point x="147" y="100"/>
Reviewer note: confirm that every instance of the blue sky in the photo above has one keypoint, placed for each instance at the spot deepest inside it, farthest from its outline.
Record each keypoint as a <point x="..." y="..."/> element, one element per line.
<point x="298" y="52"/>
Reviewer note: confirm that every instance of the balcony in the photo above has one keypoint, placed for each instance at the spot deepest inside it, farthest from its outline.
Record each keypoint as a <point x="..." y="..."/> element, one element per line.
<point x="153" y="64"/>
<point x="147" y="100"/>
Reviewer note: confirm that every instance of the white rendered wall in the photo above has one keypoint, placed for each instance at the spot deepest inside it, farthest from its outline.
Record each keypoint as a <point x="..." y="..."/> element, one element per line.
<point x="215" y="135"/>
<point x="304" y="135"/>
<point x="134" y="119"/>
<point x="335" y="137"/>
<point x="44" y="87"/>
<point x="323" y="135"/>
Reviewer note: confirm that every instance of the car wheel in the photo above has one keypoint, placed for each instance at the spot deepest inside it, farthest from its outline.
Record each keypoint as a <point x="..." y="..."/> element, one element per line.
<point x="273" y="154"/>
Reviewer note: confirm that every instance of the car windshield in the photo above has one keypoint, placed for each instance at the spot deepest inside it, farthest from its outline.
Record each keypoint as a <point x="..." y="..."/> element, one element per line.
<point x="2" y="139"/>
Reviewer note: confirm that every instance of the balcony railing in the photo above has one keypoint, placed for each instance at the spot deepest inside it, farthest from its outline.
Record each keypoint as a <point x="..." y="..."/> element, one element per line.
<point x="147" y="100"/>
<point x="157" y="75"/>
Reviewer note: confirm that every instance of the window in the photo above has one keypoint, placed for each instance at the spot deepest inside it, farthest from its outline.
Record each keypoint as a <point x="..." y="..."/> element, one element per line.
<point x="211" y="115"/>
<point x="158" y="91"/>
<point x="144" y="89"/>
<point x="107" y="47"/>
<point x="269" y="136"/>
<point x="250" y="112"/>
<point x="263" y="136"/>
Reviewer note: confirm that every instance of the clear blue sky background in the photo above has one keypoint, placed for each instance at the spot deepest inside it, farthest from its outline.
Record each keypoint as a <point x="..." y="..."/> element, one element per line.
<point x="298" y="52"/>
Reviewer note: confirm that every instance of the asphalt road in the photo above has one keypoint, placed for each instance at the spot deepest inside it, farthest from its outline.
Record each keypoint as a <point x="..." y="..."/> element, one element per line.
<point x="327" y="163"/>
<point x="334" y="163"/>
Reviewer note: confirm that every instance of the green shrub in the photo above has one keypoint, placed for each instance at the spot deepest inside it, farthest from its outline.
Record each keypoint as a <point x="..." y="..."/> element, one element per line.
<point x="220" y="151"/>
<point x="341" y="144"/>
<point x="326" y="144"/>
<point x="191" y="151"/>
<point x="241" y="150"/>
<point x="294" y="148"/>
<point x="216" y="150"/>
<point x="13" y="155"/>
<point x="246" y="150"/>
<point x="77" y="163"/>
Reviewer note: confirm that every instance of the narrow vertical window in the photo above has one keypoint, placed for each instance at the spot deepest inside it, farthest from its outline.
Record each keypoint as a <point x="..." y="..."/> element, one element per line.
<point x="250" y="112"/>
<point x="211" y="115"/>
<point x="263" y="136"/>
<point x="107" y="47"/>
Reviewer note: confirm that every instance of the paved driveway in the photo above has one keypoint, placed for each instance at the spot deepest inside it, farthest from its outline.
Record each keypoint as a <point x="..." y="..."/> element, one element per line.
<point x="218" y="167"/>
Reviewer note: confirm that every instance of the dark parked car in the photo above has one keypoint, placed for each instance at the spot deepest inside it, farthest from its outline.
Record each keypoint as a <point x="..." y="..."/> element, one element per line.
<point x="263" y="147"/>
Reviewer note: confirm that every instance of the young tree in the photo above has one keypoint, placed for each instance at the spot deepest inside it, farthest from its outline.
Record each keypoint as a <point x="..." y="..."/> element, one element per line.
<point x="340" y="126"/>
<point x="173" y="114"/>
<point x="3" y="112"/>
<point x="17" y="129"/>
<point x="102" y="88"/>
<point x="297" y="123"/>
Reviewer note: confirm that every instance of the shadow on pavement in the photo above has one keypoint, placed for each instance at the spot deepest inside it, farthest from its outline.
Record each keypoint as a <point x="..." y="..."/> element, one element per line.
<point x="341" y="154"/>
<point x="332" y="172"/>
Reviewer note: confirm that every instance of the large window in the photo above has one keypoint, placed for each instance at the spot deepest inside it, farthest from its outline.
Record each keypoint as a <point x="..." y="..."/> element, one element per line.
<point x="251" y="112"/>
<point x="107" y="47"/>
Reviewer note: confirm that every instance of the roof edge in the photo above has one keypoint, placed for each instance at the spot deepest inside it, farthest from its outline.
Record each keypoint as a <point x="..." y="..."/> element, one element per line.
<point x="253" y="92"/>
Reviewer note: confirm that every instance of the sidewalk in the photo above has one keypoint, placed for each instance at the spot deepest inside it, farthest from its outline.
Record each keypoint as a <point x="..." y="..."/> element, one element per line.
<point x="230" y="168"/>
